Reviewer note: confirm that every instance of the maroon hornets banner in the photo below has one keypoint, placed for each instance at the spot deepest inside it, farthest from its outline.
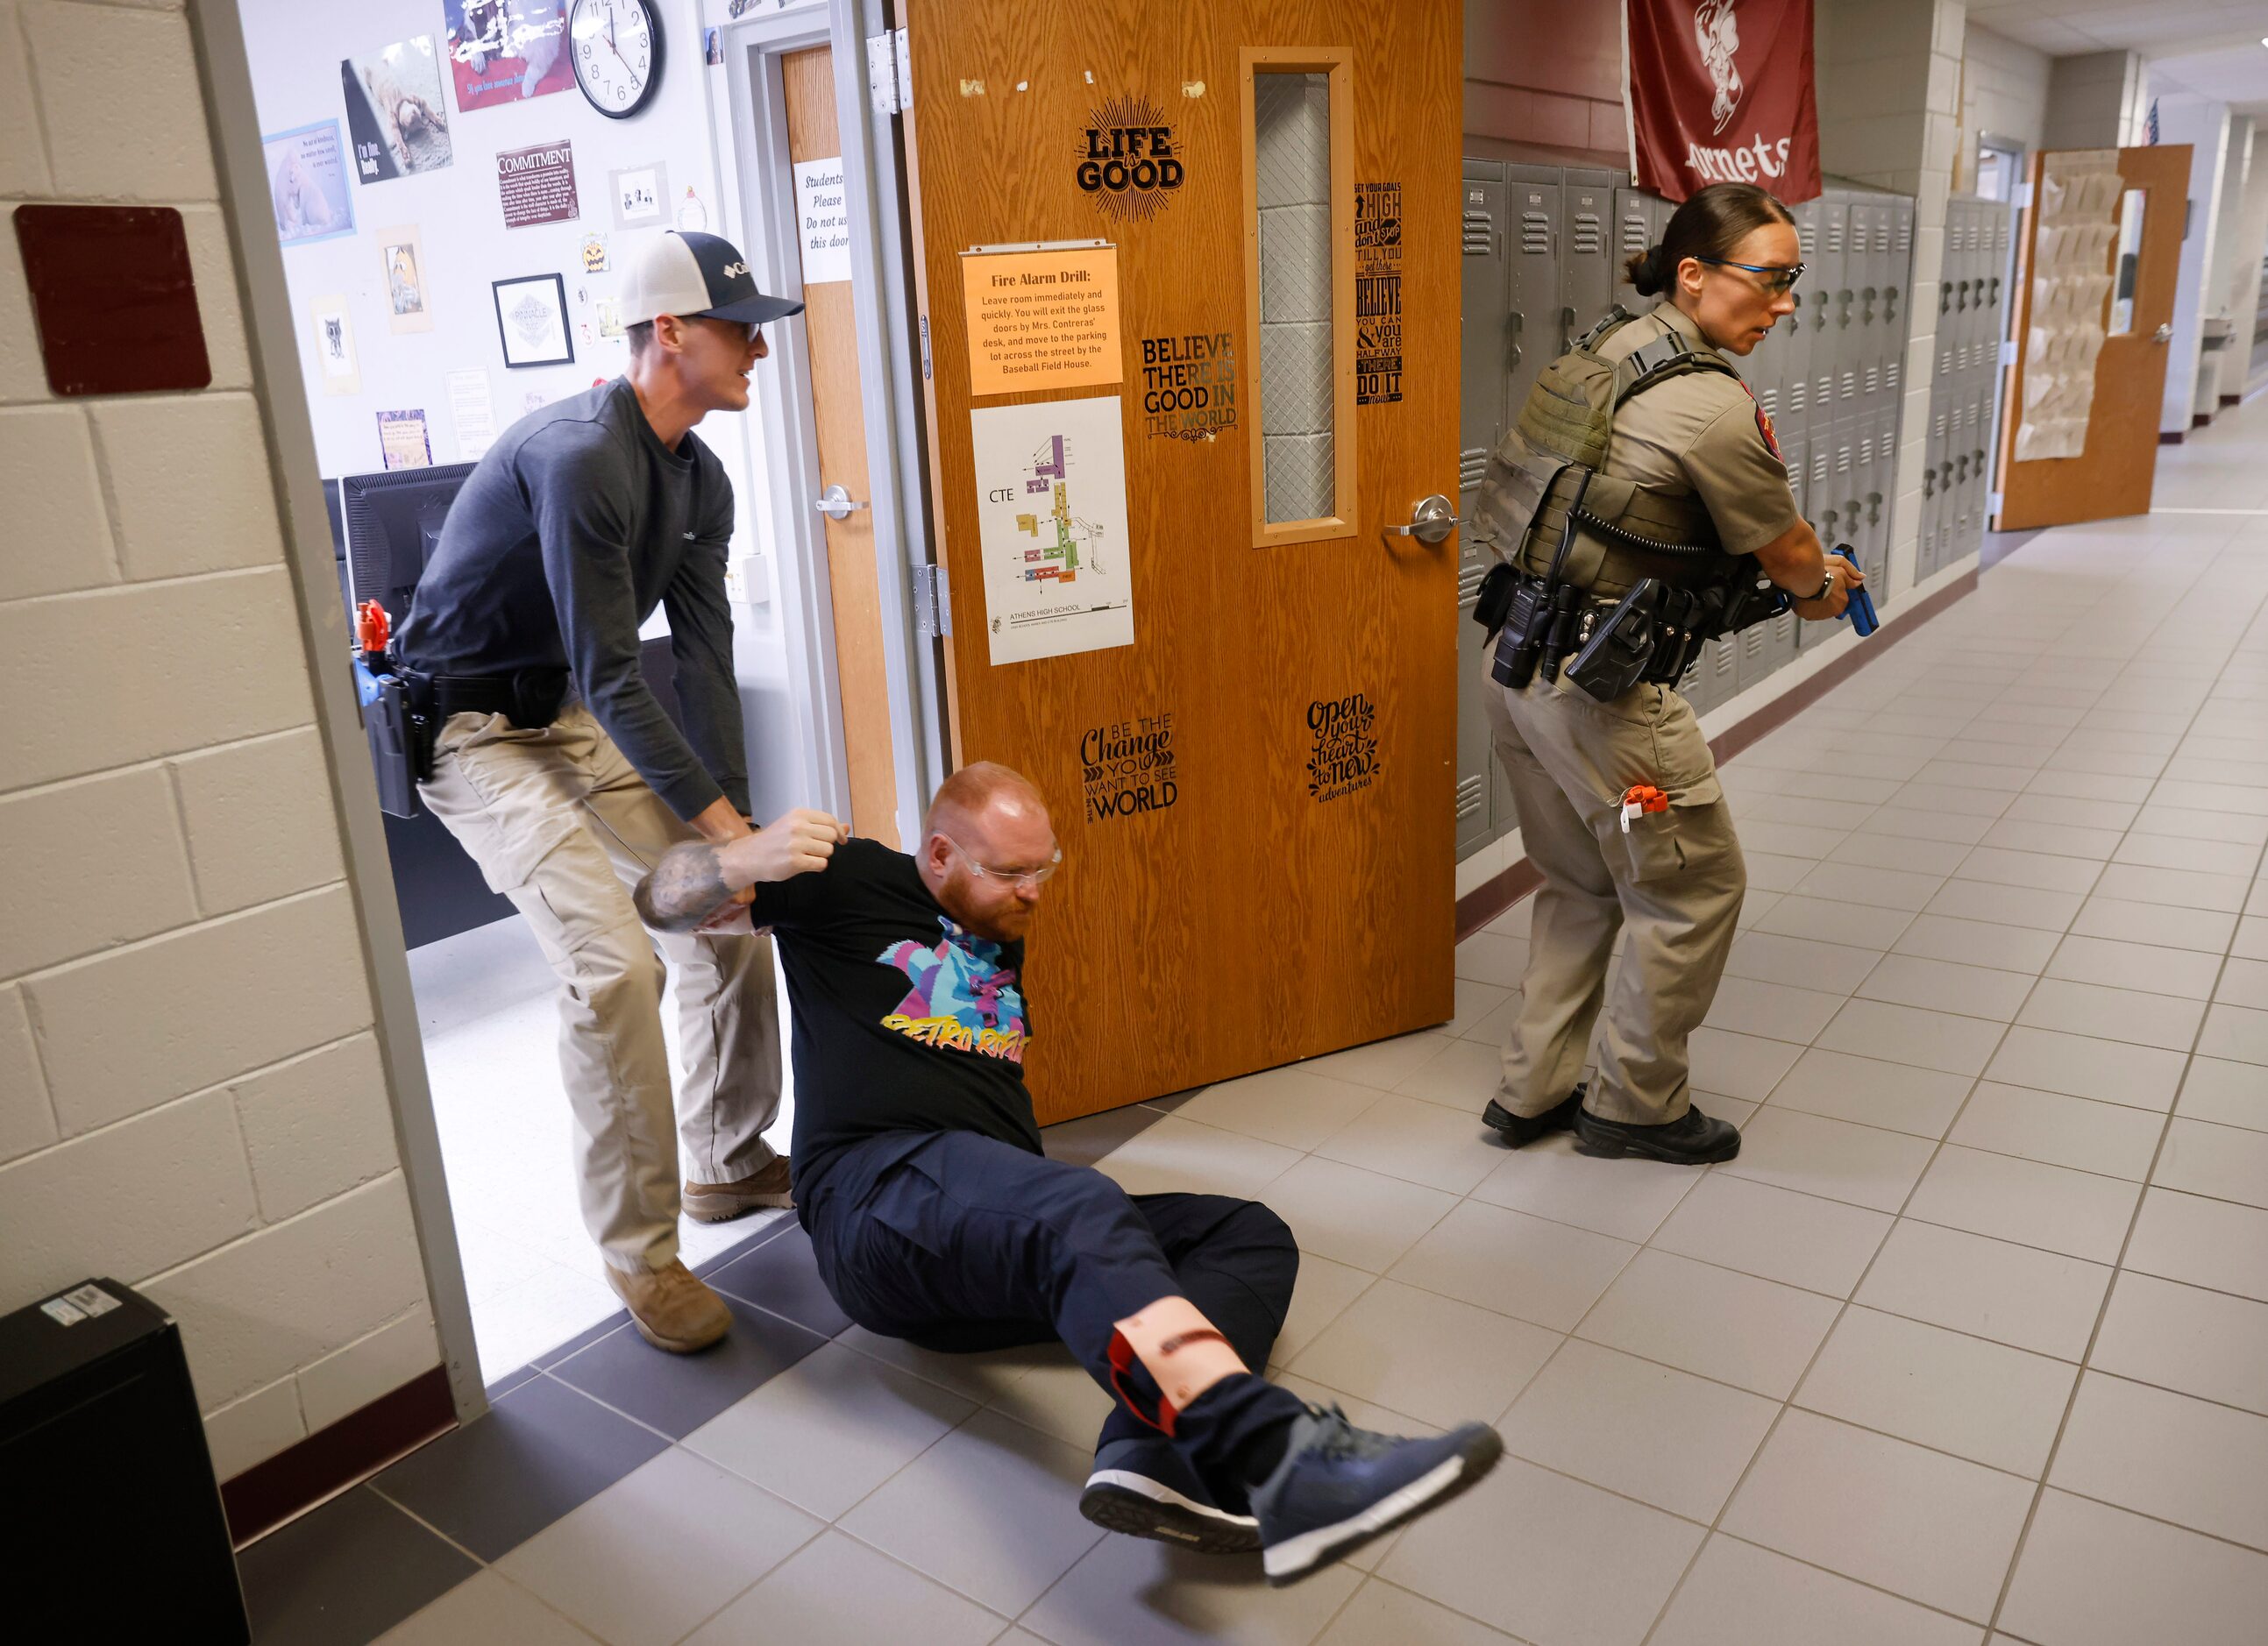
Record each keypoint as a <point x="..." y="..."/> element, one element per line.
<point x="1720" y="91"/>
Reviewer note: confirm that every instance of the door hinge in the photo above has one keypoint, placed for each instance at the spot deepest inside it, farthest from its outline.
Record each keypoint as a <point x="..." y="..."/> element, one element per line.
<point x="889" y="74"/>
<point x="932" y="602"/>
<point x="2009" y="353"/>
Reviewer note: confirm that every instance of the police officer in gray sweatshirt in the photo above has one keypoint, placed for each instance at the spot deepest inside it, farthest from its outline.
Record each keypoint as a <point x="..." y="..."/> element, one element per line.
<point x="554" y="765"/>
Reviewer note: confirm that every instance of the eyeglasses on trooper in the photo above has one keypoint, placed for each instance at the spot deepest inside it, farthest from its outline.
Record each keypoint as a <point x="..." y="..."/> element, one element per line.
<point x="1779" y="278"/>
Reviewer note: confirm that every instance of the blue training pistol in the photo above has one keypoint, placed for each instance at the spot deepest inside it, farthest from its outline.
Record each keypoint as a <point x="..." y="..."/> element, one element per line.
<point x="1860" y="608"/>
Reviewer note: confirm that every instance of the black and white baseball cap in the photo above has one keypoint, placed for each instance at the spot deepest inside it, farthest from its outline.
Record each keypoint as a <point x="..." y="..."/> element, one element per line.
<point x="694" y="277"/>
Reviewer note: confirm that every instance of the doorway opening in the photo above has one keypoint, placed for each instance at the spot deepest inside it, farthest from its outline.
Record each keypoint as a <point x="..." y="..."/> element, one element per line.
<point x="435" y="298"/>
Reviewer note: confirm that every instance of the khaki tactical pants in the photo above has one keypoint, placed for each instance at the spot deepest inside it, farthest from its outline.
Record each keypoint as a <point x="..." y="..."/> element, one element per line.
<point x="1673" y="885"/>
<point x="563" y="825"/>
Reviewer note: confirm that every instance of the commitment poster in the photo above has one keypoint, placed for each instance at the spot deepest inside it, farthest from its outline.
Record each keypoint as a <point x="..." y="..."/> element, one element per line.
<point x="1721" y="92"/>
<point x="1051" y="526"/>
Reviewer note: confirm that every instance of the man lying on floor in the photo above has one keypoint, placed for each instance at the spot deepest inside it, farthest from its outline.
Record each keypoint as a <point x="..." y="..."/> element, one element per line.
<point x="935" y="1218"/>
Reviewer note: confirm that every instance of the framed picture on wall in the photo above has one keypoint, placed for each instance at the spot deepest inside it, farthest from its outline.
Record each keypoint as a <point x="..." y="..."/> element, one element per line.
<point x="531" y="320"/>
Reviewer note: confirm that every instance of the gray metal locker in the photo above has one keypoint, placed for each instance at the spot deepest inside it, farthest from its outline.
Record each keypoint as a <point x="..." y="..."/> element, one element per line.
<point x="1586" y="274"/>
<point x="1638" y="225"/>
<point x="1831" y="307"/>
<point x="1881" y="497"/>
<point x="1897" y="310"/>
<point x="1533" y="251"/>
<point x="1795" y="383"/>
<point x="1867" y="253"/>
<point x="1485" y="365"/>
<point x="1479" y="818"/>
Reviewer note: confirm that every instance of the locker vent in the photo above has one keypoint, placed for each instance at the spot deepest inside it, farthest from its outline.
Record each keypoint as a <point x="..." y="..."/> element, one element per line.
<point x="1882" y="235"/>
<point x="1480" y="234"/>
<point x="1905" y="234"/>
<point x="1850" y="383"/>
<point x="1468" y="582"/>
<point x="1819" y="467"/>
<point x="1873" y="379"/>
<point x="1842" y="459"/>
<point x="1835" y="236"/>
<point x="1891" y="373"/>
<point x="1472" y="465"/>
<point x="1769" y="401"/>
<point x="1796" y="396"/>
<point x="1636" y="237"/>
<point x="1472" y="793"/>
<point x="1535" y="234"/>
<point x="1590" y="232"/>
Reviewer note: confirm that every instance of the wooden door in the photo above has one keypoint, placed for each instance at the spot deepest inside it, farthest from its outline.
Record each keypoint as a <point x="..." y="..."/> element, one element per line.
<point x="1256" y="792"/>
<point x="2113" y="473"/>
<point x="838" y="416"/>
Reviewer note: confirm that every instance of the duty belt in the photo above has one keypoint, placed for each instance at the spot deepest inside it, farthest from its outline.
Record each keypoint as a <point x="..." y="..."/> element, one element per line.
<point x="528" y="698"/>
<point x="1651" y="634"/>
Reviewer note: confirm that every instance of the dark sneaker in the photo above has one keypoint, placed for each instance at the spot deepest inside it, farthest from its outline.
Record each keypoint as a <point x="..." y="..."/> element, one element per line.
<point x="1694" y="1140"/>
<point x="1519" y="1130"/>
<point x="1145" y="1489"/>
<point x="1338" y="1487"/>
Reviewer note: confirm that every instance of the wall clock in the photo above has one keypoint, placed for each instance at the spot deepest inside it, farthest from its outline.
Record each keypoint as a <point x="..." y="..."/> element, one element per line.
<point x="617" y="51"/>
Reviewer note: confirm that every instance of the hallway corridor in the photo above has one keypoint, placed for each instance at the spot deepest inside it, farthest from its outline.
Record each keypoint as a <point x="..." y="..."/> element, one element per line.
<point x="1970" y="1343"/>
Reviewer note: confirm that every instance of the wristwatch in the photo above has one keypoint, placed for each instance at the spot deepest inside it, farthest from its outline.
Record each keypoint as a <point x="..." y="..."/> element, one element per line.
<point x="1826" y="583"/>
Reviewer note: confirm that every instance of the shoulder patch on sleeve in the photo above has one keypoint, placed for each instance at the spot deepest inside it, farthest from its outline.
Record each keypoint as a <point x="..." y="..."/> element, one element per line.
<point x="1764" y="423"/>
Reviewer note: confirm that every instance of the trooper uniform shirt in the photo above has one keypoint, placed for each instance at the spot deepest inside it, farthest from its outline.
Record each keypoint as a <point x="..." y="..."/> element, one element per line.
<point x="1670" y="884"/>
<point x="1701" y="434"/>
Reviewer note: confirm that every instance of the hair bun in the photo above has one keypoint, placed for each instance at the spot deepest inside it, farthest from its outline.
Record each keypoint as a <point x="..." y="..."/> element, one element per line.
<point x="1647" y="272"/>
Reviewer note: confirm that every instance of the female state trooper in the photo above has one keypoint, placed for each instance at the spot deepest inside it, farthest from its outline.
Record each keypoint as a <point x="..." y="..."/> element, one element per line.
<point x="1645" y="436"/>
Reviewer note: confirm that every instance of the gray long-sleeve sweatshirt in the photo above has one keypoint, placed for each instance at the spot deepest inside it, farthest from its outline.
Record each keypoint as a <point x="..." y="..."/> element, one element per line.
<point x="567" y="534"/>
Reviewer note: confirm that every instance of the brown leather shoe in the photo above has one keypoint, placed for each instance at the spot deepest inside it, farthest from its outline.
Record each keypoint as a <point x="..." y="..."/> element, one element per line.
<point x="671" y="1309"/>
<point x="721" y="1203"/>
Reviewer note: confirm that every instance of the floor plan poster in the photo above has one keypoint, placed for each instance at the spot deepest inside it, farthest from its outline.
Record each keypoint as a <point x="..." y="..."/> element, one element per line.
<point x="1051" y="514"/>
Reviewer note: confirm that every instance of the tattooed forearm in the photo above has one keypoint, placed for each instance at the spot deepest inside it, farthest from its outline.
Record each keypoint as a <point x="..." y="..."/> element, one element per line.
<point x="685" y="888"/>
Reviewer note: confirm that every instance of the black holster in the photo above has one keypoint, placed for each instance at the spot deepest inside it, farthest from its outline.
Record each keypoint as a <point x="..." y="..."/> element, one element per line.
<point x="1620" y="652"/>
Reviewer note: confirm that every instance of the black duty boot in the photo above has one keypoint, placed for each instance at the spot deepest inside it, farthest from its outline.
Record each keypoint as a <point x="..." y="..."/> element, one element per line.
<point x="1517" y="1129"/>
<point x="1693" y="1140"/>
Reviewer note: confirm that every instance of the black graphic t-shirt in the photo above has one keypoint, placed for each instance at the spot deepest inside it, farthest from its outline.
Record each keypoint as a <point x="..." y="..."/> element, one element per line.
<point x="902" y="1021"/>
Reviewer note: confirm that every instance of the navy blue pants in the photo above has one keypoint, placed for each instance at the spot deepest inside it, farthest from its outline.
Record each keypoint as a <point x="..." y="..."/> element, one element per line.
<point x="960" y="1242"/>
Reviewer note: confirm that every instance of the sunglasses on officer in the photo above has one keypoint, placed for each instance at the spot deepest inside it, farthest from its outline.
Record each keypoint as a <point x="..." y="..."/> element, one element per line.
<point x="1778" y="279"/>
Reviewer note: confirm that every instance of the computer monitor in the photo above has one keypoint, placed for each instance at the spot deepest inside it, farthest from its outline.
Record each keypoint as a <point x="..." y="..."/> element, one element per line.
<point x="393" y="521"/>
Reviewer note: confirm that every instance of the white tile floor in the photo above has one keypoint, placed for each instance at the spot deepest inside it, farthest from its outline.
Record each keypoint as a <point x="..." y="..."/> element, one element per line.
<point x="485" y="1007"/>
<point x="1971" y="1338"/>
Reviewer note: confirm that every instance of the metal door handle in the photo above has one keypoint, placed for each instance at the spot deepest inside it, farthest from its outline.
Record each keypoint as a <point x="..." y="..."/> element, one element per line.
<point x="1566" y="328"/>
<point x="1518" y="323"/>
<point x="1431" y="519"/>
<point x="836" y="503"/>
<point x="2163" y="334"/>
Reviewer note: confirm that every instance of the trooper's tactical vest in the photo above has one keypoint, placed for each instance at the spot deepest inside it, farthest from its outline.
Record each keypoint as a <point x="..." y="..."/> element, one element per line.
<point x="1553" y="460"/>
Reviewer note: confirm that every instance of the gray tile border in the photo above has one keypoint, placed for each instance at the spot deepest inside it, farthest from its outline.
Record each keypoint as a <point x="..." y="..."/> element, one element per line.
<point x="540" y="1451"/>
<point x="677" y="1394"/>
<point x="345" y="1573"/>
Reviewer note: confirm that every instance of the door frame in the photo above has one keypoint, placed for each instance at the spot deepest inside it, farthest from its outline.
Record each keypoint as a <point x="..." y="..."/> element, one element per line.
<point x="2003" y="369"/>
<point x="881" y="283"/>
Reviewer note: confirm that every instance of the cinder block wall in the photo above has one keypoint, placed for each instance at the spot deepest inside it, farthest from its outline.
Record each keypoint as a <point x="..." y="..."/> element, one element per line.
<point x="1889" y="113"/>
<point x="191" y="1096"/>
